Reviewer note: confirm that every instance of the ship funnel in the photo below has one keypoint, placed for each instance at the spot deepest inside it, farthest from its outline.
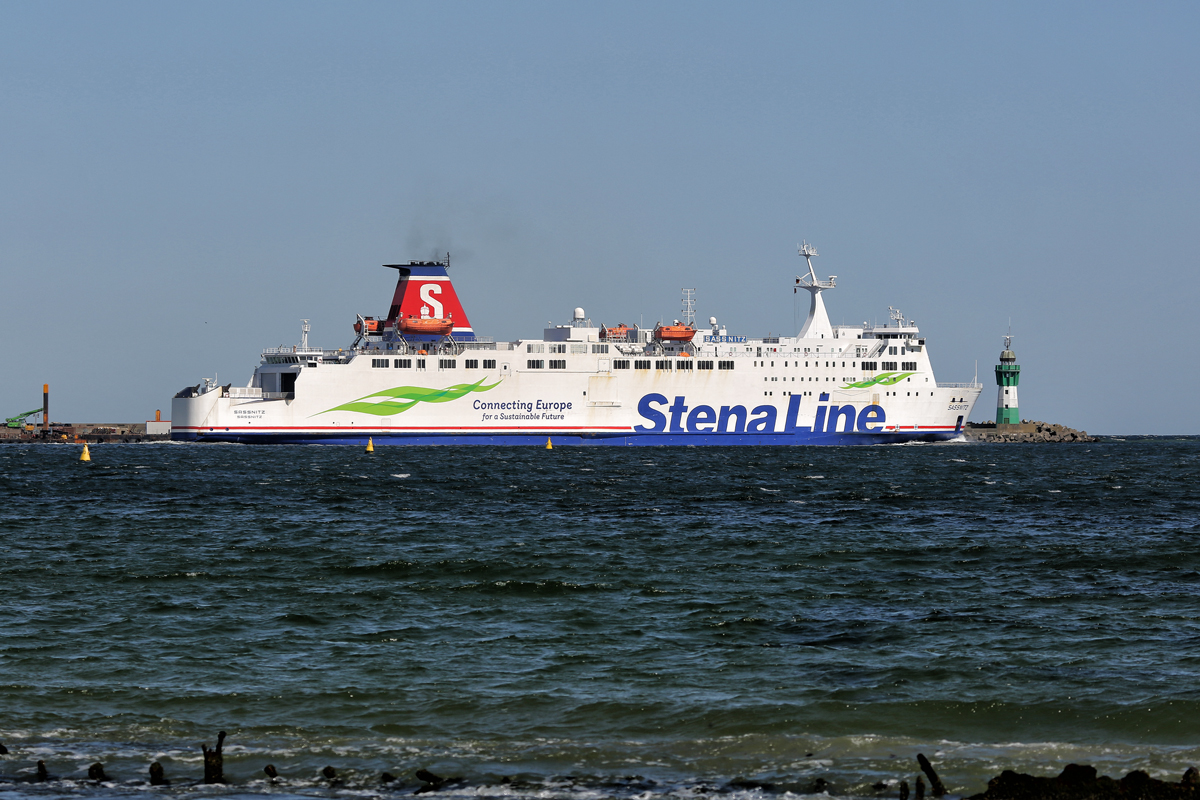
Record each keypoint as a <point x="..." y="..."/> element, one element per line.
<point x="427" y="284"/>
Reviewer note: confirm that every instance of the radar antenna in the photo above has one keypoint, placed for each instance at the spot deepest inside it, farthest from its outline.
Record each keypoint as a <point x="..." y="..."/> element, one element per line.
<point x="807" y="251"/>
<point x="689" y="307"/>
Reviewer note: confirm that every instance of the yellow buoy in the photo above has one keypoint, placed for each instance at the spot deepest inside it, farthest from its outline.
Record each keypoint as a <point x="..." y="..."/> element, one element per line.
<point x="370" y="445"/>
<point x="85" y="455"/>
<point x="548" y="445"/>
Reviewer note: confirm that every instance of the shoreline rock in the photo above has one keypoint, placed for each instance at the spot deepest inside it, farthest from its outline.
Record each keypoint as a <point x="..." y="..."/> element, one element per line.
<point x="1080" y="782"/>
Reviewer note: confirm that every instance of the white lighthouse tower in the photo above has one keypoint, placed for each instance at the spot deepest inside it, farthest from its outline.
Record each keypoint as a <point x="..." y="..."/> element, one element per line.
<point x="1008" y="375"/>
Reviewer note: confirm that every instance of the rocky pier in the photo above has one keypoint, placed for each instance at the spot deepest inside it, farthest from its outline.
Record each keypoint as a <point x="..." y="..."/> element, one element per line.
<point x="1024" y="432"/>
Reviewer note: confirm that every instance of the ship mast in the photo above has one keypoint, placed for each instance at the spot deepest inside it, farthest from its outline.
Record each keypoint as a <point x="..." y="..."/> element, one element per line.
<point x="817" y="325"/>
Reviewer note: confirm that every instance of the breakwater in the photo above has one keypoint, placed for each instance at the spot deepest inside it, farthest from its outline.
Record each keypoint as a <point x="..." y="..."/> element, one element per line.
<point x="92" y="432"/>
<point x="1025" y="432"/>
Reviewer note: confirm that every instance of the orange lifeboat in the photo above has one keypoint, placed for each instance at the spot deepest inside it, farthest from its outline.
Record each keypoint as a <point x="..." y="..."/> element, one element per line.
<point x="620" y="332"/>
<point x="425" y="326"/>
<point x="373" y="327"/>
<point x="674" y="333"/>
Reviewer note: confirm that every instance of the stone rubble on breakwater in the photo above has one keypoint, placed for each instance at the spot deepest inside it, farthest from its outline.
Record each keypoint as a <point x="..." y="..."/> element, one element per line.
<point x="1025" y="432"/>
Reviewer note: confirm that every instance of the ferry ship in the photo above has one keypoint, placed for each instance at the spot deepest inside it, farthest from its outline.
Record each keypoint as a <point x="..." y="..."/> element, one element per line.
<point x="420" y="375"/>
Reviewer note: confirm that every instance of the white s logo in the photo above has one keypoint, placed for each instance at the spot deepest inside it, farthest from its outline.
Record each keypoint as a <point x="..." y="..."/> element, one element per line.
<point x="428" y="289"/>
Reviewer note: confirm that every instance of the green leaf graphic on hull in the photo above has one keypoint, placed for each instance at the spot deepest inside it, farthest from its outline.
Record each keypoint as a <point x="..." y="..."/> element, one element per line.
<point x="405" y="397"/>
<point x="886" y="379"/>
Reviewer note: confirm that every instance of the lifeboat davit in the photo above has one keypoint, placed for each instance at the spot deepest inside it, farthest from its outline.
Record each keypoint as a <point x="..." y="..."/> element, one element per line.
<point x="425" y="326"/>
<point x="373" y="327"/>
<point x="674" y="333"/>
<point x="620" y="332"/>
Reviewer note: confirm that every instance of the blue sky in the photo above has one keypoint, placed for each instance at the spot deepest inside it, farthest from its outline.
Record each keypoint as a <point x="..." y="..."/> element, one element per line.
<point x="180" y="184"/>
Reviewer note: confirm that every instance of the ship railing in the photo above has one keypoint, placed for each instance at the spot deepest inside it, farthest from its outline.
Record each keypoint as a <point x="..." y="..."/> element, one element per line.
<point x="279" y="395"/>
<point x="959" y="385"/>
<point x="299" y="350"/>
<point x="479" y="344"/>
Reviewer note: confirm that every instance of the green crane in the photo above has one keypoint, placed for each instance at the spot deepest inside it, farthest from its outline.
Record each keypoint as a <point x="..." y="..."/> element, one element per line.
<point x="19" y="420"/>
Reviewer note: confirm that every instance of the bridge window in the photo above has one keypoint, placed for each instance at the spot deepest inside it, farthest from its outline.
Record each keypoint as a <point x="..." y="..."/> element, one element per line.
<point x="471" y="363"/>
<point x="641" y="364"/>
<point x="685" y="363"/>
<point x="889" y="366"/>
<point x="909" y="366"/>
<point x="380" y="363"/>
<point x="662" y="365"/>
<point x="402" y="363"/>
<point x="620" y="364"/>
<point x="558" y="363"/>
<point x="489" y="363"/>
<point x="557" y="348"/>
<point x="870" y="366"/>
<point x="704" y="365"/>
<point x="599" y="348"/>
<point x="447" y="363"/>
<point x="535" y="363"/>
<point x="535" y="348"/>
<point x="727" y="365"/>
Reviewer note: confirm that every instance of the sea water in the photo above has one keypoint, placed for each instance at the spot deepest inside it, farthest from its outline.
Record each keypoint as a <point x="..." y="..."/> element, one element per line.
<point x="597" y="622"/>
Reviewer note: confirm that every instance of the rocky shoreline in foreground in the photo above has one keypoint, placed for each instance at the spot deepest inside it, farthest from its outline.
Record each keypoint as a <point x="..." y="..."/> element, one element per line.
<point x="1080" y="782"/>
<point x="1075" y="782"/>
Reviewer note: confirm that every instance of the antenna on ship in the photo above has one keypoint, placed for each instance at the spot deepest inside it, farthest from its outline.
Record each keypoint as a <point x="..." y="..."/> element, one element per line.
<point x="689" y="307"/>
<point x="816" y="326"/>
<point x="304" y="329"/>
<point x="808" y="252"/>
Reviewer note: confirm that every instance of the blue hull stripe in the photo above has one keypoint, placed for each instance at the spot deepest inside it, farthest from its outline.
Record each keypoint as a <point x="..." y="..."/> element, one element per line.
<point x="800" y="437"/>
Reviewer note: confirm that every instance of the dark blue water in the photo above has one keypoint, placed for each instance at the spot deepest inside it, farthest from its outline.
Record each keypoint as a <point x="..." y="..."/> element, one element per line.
<point x="598" y="622"/>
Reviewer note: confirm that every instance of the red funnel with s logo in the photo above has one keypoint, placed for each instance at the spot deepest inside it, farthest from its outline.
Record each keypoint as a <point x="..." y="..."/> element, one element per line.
<point x="424" y="291"/>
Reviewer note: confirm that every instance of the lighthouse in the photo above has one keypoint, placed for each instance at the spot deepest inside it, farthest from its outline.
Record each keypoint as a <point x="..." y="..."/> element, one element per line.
<point x="1008" y="375"/>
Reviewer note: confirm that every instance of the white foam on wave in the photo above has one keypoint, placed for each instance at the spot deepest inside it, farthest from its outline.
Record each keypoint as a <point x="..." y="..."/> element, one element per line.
<point x="401" y="474"/>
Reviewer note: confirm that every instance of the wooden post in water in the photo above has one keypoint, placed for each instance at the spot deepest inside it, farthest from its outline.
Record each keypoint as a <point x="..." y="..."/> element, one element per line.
<point x="935" y="784"/>
<point x="214" y="762"/>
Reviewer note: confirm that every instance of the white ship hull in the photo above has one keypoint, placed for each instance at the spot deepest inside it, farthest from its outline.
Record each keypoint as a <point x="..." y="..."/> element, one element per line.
<point x="830" y="385"/>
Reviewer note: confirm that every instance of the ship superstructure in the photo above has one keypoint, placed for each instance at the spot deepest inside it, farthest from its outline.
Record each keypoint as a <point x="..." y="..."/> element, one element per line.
<point x="420" y="375"/>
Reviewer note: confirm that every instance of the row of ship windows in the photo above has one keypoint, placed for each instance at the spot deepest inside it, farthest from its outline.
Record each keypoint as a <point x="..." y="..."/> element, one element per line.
<point x="867" y="366"/>
<point x="886" y="394"/>
<point x="576" y="349"/>
<point x="443" y="363"/>
<point x="537" y="363"/>
<point x="681" y="364"/>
